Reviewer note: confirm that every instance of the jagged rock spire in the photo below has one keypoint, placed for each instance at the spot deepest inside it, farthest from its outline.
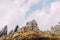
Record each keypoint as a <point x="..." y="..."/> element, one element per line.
<point x="31" y="25"/>
<point x="34" y="23"/>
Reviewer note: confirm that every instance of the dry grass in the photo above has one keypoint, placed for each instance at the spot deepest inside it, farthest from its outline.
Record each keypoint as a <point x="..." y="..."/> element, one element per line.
<point x="29" y="35"/>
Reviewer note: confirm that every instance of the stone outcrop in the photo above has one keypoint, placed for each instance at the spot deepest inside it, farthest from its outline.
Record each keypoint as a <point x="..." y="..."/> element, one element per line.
<point x="31" y="25"/>
<point x="28" y="32"/>
<point x="56" y="29"/>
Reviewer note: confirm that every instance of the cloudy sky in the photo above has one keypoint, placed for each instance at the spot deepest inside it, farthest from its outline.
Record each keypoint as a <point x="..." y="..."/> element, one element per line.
<point x="45" y="12"/>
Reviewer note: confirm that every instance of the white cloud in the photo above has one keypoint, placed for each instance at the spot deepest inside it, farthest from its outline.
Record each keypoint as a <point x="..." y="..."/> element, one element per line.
<point x="45" y="19"/>
<point x="55" y="13"/>
<point x="55" y="6"/>
<point x="12" y="12"/>
<point x="41" y="17"/>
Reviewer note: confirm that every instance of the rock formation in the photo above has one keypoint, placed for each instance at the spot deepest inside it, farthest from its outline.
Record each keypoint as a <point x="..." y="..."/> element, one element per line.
<point x="56" y="29"/>
<point x="28" y="32"/>
<point x="31" y="25"/>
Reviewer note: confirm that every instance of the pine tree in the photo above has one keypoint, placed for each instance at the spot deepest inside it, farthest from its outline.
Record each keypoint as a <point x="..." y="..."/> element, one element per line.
<point x="16" y="28"/>
<point x="5" y="30"/>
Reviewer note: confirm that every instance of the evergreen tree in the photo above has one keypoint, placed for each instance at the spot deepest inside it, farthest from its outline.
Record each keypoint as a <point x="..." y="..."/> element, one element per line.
<point x="16" y="28"/>
<point x="5" y="30"/>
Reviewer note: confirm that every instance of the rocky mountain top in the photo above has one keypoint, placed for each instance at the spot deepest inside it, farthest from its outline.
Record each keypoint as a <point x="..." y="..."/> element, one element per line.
<point x="31" y="25"/>
<point x="28" y="32"/>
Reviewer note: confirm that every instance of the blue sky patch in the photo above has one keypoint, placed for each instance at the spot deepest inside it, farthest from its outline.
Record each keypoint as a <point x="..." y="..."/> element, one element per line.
<point x="40" y="5"/>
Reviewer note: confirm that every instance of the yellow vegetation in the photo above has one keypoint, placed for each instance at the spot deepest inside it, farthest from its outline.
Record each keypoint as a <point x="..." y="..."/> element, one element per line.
<point x="22" y="34"/>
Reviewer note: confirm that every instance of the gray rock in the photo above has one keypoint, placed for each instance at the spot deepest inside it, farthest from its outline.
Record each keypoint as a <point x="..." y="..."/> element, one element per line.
<point x="31" y="25"/>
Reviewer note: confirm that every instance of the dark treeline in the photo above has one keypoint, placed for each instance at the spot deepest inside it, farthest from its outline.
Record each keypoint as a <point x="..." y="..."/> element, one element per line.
<point x="4" y="31"/>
